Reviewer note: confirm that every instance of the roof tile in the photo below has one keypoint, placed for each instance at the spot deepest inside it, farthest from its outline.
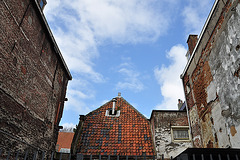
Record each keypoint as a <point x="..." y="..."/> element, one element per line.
<point x="128" y="134"/>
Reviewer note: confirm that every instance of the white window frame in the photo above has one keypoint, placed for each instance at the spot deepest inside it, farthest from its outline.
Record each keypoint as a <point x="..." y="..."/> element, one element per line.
<point x="180" y="128"/>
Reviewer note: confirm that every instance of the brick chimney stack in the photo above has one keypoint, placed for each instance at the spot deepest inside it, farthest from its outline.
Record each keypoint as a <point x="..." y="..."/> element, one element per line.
<point x="180" y="103"/>
<point x="192" y="41"/>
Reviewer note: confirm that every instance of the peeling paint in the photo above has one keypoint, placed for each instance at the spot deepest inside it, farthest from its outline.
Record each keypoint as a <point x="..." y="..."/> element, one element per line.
<point x="214" y="96"/>
<point x="226" y="78"/>
<point x="162" y="121"/>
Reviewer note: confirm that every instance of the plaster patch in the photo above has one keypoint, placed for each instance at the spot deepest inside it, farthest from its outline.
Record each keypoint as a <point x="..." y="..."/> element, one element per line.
<point x="219" y="127"/>
<point x="211" y="92"/>
<point x="30" y="20"/>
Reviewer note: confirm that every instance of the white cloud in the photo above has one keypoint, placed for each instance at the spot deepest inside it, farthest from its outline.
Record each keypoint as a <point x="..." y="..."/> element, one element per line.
<point x="79" y="90"/>
<point x="122" y="21"/>
<point x="68" y="127"/>
<point x="195" y="14"/>
<point x="131" y="78"/>
<point x="81" y="26"/>
<point x="169" y="78"/>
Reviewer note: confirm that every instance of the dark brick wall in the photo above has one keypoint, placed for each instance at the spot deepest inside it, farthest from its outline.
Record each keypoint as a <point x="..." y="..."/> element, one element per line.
<point x="33" y="79"/>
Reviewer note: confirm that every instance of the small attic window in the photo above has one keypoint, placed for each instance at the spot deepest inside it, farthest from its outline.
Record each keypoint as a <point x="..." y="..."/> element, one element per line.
<point x="113" y="112"/>
<point x="188" y="55"/>
<point x="188" y="87"/>
<point x="110" y="113"/>
<point x="42" y="3"/>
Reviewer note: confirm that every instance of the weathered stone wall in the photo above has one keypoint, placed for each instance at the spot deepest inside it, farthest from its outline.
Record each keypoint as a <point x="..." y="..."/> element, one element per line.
<point x="214" y="80"/>
<point x="161" y="122"/>
<point x="224" y="62"/>
<point x="33" y="78"/>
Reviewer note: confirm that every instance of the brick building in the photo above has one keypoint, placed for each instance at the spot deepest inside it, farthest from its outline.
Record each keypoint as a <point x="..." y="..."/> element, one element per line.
<point x="64" y="142"/>
<point x="211" y="79"/>
<point x="33" y="77"/>
<point x="171" y="132"/>
<point x="115" y="129"/>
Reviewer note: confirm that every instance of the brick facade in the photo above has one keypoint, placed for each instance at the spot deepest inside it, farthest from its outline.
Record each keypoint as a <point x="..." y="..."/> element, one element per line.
<point x="33" y="77"/>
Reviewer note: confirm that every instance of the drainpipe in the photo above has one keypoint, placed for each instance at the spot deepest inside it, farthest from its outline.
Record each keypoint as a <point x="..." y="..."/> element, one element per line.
<point x="189" y="123"/>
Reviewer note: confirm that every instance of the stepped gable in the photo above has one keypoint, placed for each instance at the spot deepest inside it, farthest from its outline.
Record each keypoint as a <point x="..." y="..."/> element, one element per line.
<point x="126" y="134"/>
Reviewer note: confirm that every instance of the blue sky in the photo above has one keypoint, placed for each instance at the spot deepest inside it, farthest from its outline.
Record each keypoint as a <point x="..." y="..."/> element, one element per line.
<point x="134" y="47"/>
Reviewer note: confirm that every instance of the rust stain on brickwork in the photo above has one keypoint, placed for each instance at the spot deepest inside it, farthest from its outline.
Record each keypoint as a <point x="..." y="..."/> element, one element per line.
<point x="233" y="130"/>
<point x="23" y="69"/>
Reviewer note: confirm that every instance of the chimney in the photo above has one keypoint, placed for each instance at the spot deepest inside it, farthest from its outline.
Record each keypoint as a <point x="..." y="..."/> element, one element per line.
<point x="119" y="94"/>
<point x="180" y="103"/>
<point x="81" y="117"/>
<point x="192" y="41"/>
<point x="114" y="104"/>
<point x="42" y="3"/>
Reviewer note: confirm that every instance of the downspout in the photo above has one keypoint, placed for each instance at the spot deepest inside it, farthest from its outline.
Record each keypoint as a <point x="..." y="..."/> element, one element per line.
<point x="189" y="123"/>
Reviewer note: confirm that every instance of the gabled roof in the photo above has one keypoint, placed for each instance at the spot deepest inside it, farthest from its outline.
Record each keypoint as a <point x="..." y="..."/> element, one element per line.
<point x="64" y="140"/>
<point x="127" y="134"/>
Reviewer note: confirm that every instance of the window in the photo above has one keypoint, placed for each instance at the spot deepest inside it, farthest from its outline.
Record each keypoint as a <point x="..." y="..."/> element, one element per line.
<point x="188" y="87"/>
<point x="111" y="114"/>
<point x="180" y="133"/>
<point x="41" y="3"/>
<point x="188" y="55"/>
